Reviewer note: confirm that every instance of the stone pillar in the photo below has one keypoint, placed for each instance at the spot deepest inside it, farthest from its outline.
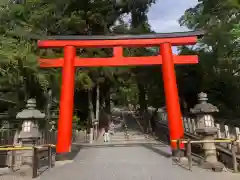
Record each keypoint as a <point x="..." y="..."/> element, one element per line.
<point x="206" y="128"/>
<point x="91" y="135"/>
<point x="95" y="125"/>
<point x="29" y="134"/>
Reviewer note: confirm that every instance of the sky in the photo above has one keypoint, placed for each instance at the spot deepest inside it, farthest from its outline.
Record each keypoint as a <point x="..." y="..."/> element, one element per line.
<point x="164" y="15"/>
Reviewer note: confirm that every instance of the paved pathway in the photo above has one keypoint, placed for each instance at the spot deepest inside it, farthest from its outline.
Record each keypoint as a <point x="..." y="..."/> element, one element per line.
<point x="144" y="159"/>
<point x="121" y="160"/>
<point x="143" y="162"/>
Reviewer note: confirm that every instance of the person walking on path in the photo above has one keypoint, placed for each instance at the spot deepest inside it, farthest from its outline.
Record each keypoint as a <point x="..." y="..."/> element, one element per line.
<point x="111" y="128"/>
<point x="106" y="135"/>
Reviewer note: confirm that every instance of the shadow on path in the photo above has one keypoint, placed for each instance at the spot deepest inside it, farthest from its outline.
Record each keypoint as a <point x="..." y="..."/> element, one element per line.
<point x="162" y="150"/>
<point x="71" y="155"/>
<point x="175" y="162"/>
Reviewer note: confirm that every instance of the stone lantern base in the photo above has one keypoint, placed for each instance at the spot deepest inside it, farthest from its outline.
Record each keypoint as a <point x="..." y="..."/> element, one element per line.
<point x="210" y="156"/>
<point x="215" y="166"/>
<point x="27" y="155"/>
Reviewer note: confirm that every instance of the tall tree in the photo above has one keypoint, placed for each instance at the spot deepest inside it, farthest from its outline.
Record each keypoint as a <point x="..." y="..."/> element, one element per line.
<point x="218" y="51"/>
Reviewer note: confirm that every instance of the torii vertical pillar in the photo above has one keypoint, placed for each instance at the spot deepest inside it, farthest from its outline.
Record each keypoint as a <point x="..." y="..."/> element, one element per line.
<point x="171" y="95"/>
<point x="66" y="99"/>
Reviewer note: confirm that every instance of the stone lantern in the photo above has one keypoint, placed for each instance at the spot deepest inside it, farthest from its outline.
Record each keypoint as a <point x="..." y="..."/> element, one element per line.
<point x="206" y="129"/>
<point x="29" y="134"/>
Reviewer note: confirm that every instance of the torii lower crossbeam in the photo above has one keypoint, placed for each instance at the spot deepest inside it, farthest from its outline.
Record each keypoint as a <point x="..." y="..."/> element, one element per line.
<point x="117" y="61"/>
<point x="70" y="61"/>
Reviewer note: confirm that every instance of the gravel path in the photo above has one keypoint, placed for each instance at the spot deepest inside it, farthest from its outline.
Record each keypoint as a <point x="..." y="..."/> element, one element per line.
<point x="149" y="162"/>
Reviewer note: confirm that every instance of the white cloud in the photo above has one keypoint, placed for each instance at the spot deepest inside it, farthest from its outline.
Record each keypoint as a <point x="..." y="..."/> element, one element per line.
<point x="163" y="16"/>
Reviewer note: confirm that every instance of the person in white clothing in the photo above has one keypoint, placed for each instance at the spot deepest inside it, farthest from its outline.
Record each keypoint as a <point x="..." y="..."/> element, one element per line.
<point x="106" y="135"/>
<point x="111" y="128"/>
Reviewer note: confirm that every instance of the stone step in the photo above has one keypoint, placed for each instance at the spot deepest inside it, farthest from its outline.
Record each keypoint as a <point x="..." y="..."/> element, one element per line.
<point x="123" y="138"/>
<point x="129" y="132"/>
<point x="133" y="140"/>
<point x="130" y="137"/>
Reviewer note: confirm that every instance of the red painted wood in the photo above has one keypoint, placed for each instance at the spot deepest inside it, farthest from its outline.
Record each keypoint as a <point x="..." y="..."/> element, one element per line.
<point x="66" y="106"/>
<point x="118" y="52"/>
<point x="122" y="61"/>
<point x="70" y="61"/>
<point x="175" y="123"/>
<point x="114" y="43"/>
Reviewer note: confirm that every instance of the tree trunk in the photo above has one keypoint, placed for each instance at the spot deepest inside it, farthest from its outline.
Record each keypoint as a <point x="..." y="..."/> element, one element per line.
<point x="97" y="102"/>
<point x="91" y="112"/>
<point x="143" y="106"/>
<point x="105" y="97"/>
<point x="97" y="110"/>
<point x="107" y="101"/>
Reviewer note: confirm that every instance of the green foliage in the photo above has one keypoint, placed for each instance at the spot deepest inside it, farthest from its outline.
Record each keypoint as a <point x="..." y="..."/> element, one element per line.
<point x="22" y="24"/>
<point x="218" y="50"/>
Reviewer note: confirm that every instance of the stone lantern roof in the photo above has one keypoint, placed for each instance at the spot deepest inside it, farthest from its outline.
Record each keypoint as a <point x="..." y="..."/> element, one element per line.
<point x="30" y="112"/>
<point x="203" y="107"/>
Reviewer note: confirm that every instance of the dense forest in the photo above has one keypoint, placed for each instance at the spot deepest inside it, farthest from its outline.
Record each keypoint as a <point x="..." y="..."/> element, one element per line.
<point x="23" y="22"/>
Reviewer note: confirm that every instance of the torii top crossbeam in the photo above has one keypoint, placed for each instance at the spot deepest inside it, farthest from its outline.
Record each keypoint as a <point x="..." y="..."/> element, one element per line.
<point x="118" y="42"/>
<point x="176" y="39"/>
<point x="164" y="40"/>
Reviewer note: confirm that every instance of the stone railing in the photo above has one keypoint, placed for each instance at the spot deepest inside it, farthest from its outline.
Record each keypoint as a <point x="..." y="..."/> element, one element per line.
<point x="189" y="123"/>
<point x="7" y="140"/>
<point x="224" y="131"/>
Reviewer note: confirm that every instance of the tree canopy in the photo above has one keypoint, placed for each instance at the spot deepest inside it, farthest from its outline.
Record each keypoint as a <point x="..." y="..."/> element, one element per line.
<point x="219" y="51"/>
<point x="23" y="22"/>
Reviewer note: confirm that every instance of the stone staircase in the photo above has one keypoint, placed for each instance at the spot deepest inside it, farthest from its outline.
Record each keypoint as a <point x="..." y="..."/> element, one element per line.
<point x="133" y="137"/>
<point x="133" y="128"/>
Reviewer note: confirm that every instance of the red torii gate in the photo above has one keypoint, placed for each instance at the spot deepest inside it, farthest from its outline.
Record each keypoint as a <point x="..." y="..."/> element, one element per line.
<point x="70" y="61"/>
